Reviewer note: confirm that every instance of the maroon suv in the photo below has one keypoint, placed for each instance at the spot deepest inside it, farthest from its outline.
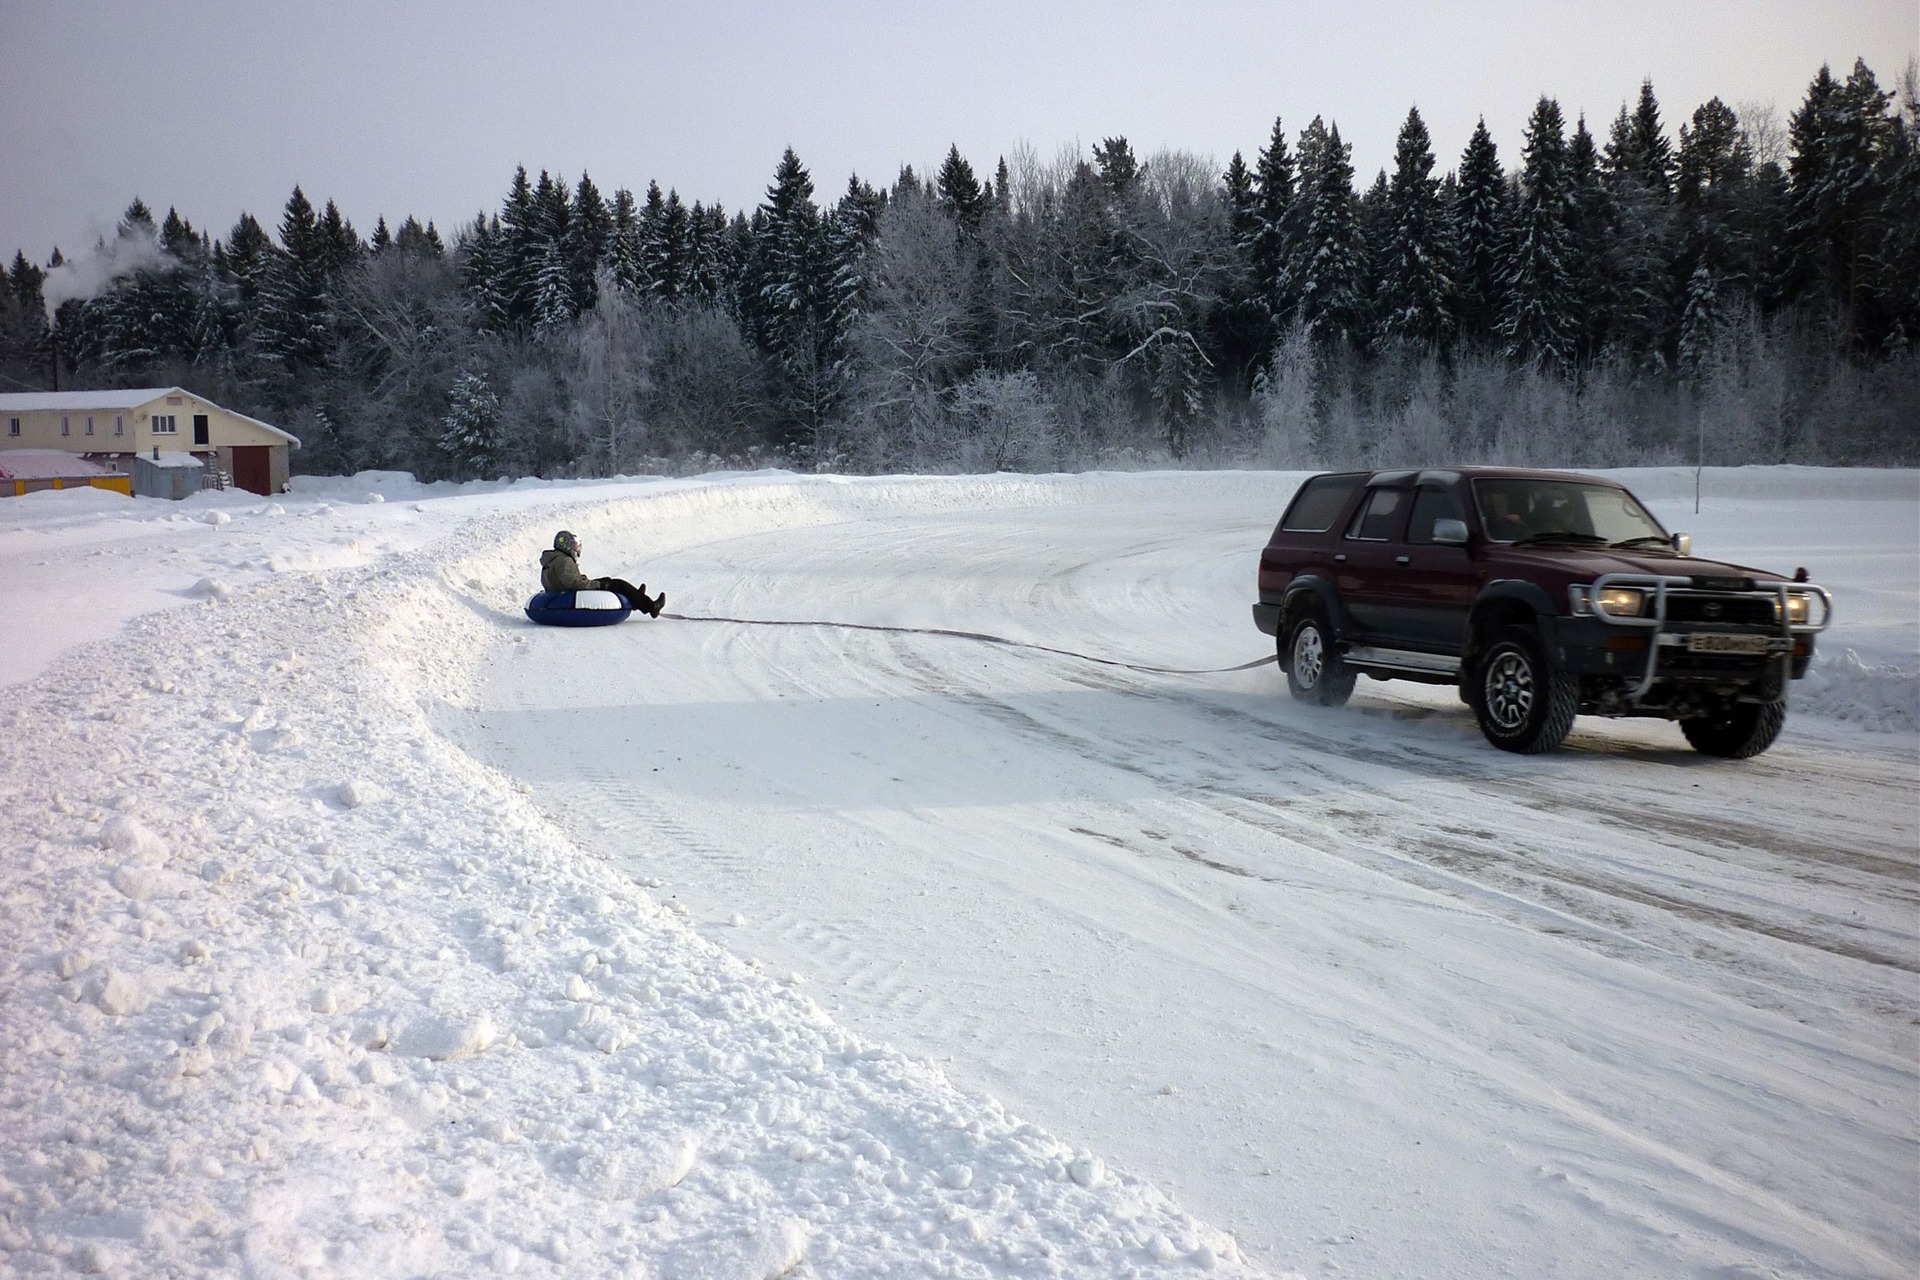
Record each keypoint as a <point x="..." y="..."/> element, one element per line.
<point x="1542" y="594"/>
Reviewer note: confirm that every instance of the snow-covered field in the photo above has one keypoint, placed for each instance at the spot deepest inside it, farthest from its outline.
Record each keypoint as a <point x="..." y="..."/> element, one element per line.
<point x="352" y="926"/>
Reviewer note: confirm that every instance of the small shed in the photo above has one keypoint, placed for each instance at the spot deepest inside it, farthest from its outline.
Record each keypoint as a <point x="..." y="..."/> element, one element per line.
<point x="167" y="475"/>
<point x="32" y="470"/>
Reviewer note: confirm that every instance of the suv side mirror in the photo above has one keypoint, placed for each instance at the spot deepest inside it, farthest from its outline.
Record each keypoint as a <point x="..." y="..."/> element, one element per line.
<point x="1683" y="544"/>
<point x="1449" y="532"/>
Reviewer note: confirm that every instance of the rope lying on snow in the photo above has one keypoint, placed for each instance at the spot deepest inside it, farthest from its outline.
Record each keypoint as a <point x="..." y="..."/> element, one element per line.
<point x="981" y="636"/>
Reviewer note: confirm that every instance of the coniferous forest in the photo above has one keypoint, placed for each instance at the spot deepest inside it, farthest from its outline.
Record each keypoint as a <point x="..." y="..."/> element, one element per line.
<point x="1738" y="289"/>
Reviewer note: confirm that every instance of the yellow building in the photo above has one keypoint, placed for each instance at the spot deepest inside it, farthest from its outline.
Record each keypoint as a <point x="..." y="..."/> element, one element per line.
<point x="109" y="427"/>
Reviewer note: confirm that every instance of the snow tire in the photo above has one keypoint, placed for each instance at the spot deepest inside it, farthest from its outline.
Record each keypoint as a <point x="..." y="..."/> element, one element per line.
<point x="1737" y="730"/>
<point x="1523" y="702"/>
<point x="1316" y="673"/>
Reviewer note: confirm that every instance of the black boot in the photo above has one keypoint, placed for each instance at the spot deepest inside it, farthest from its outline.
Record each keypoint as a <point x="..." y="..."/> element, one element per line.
<point x="659" y="603"/>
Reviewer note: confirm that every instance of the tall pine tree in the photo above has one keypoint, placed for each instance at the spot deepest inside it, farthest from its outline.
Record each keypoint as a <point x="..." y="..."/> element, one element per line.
<point x="1539" y="324"/>
<point x="1416" y="271"/>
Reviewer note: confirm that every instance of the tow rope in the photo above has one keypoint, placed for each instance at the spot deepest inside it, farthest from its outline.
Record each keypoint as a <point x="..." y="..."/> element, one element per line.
<point x="981" y="636"/>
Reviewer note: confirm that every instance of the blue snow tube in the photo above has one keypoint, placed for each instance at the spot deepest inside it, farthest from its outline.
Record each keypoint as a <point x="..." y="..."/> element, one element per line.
<point x="578" y="608"/>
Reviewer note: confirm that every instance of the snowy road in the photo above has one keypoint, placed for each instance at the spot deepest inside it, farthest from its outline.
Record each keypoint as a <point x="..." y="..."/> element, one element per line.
<point x="1350" y="984"/>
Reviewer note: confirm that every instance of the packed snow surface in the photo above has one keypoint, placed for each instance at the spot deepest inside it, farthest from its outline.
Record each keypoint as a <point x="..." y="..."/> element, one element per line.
<point x="350" y="925"/>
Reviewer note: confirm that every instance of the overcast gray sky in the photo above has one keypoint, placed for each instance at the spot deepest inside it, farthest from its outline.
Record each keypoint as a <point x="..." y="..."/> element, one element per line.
<point x="221" y="106"/>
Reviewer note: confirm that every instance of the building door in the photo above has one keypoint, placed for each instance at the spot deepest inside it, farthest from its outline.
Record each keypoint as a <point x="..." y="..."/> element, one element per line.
<point x="253" y="468"/>
<point x="199" y="428"/>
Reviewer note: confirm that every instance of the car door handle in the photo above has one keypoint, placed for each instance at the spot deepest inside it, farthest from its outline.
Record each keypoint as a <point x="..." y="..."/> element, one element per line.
<point x="1340" y="558"/>
<point x="1403" y="559"/>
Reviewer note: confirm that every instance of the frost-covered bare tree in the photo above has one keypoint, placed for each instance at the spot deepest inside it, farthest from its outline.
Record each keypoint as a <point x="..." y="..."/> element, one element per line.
<point x="611" y="378"/>
<point x="910" y="341"/>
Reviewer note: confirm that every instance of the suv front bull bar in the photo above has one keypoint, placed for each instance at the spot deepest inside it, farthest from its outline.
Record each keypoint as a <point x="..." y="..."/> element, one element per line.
<point x="1660" y="587"/>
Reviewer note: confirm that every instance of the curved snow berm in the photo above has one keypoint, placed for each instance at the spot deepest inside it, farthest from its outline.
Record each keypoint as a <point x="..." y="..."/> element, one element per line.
<point x="291" y="986"/>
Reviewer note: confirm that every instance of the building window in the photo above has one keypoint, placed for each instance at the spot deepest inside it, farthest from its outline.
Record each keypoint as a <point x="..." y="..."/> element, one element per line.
<point x="89" y="426"/>
<point x="119" y="425"/>
<point x="163" y="424"/>
<point x="13" y="426"/>
<point x="65" y="430"/>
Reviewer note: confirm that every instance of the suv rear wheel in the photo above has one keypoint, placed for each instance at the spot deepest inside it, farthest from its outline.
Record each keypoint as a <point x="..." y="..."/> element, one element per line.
<point x="1736" y="730"/>
<point x="1316" y="672"/>
<point x="1524" y="704"/>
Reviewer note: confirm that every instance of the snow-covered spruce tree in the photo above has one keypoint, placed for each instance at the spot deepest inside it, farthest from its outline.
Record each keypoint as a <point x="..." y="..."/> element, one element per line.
<point x="1275" y="231"/>
<point x="1416" y="271"/>
<point x="1478" y="222"/>
<point x="1699" y="321"/>
<point x="654" y="251"/>
<point x="481" y="257"/>
<point x="585" y="242"/>
<point x="1240" y="332"/>
<point x="1331" y="305"/>
<point x="623" y="246"/>
<point x="1648" y="279"/>
<point x="1590" y="232"/>
<point x="848" y="235"/>
<point x="470" y="432"/>
<point x="959" y="191"/>
<point x="521" y="247"/>
<point x="789" y="306"/>
<point x="1711" y="190"/>
<point x="1843" y="138"/>
<point x="292" y="325"/>
<point x="1538" y="325"/>
<point x="553" y="312"/>
<point x="675" y="238"/>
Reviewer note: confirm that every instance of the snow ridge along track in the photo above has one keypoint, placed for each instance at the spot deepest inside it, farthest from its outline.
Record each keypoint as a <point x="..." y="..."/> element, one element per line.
<point x="1360" y="989"/>
<point x="291" y="985"/>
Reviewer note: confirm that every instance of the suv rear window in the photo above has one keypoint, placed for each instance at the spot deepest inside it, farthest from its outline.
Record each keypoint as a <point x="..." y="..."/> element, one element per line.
<point x="1319" y="503"/>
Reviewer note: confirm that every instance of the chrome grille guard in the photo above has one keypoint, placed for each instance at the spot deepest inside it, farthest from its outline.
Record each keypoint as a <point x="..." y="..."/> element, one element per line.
<point x="1661" y="587"/>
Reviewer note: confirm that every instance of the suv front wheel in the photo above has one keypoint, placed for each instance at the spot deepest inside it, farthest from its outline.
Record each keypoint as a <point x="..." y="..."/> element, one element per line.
<point x="1524" y="703"/>
<point x="1316" y="672"/>
<point x="1737" y="730"/>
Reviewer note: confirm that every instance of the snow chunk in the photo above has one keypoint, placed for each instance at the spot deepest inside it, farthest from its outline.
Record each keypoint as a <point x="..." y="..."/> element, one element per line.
<point x="217" y="518"/>
<point x="212" y="589"/>
<point x="125" y="833"/>
<point x="655" y="1163"/>
<point x="959" y="1177"/>
<point x="140" y="882"/>
<point x="764" y="1253"/>
<point x="1087" y="1169"/>
<point x="355" y="792"/>
<point x="121" y="994"/>
<point x="445" y="1039"/>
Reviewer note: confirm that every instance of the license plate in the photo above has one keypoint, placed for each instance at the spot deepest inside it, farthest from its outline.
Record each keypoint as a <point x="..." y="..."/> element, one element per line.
<point x="1720" y="642"/>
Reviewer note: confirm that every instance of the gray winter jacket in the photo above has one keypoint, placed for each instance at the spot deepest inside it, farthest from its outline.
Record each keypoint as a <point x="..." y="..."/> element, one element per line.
<point x="561" y="572"/>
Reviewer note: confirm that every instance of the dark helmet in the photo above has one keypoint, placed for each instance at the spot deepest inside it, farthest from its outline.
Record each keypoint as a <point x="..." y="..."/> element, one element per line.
<point x="564" y="541"/>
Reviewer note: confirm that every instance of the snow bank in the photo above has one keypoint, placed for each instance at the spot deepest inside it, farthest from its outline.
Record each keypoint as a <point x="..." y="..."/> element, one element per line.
<point x="292" y="986"/>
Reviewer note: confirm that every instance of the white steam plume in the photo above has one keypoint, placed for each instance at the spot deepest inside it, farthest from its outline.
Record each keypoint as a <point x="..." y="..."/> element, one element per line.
<point x="88" y="275"/>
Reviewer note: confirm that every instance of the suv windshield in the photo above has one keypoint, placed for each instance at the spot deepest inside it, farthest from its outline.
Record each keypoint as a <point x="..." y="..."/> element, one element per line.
<point x="1523" y="510"/>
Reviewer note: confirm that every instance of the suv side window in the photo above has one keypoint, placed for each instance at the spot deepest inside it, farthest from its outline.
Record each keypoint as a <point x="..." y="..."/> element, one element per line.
<point x="1429" y="505"/>
<point x="1379" y="519"/>
<point x="1319" y="503"/>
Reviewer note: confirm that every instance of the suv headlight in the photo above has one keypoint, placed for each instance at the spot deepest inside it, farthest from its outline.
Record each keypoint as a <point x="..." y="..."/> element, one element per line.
<point x="1799" y="608"/>
<point x="1621" y="602"/>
